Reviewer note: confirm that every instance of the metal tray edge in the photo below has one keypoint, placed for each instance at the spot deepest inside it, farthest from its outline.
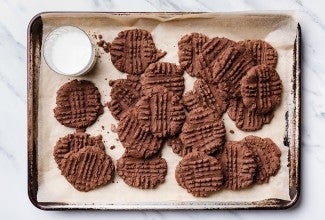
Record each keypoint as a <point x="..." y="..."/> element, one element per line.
<point x="32" y="90"/>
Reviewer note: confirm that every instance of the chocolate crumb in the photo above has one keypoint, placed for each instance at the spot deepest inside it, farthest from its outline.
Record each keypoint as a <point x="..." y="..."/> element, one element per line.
<point x="111" y="82"/>
<point x="231" y="131"/>
<point x="101" y="43"/>
<point x="103" y="128"/>
<point x="104" y="44"/>
<point x="113" y="128"/>
<point x="112" y="147"/>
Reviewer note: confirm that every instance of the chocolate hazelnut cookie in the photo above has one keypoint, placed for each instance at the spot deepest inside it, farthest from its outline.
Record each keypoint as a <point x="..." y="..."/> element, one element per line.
<point x="78" y="104"/>
<point x="200" y="174"/>
<point x="142" y="173"/>
<point x="133" y="50"/>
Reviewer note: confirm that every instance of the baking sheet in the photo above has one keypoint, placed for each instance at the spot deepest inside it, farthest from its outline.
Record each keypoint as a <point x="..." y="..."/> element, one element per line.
<point x="277" y="28"/>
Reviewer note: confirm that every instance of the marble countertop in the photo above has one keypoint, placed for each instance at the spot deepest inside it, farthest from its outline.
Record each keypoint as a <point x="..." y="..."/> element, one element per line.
<point x="14" y="18"/>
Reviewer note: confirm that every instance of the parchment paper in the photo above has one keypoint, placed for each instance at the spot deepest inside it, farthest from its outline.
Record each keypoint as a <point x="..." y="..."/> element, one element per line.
<point x="277" y="28"/>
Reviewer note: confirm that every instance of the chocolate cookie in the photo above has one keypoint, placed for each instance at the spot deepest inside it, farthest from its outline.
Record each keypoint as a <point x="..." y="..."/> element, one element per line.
<point x="137" y="142"/>
<point x="200" y="174"/>
<point x="203" y="131"/>
<point x="178" y="147"/>
<point x="78" y="104"/>
<point x="239" y="165"/>
<point x="261" y="89"/>
<point x="75" y="142"/>
<point x="189" y="48"/>
<point x="206" y="95"/>
<point x="190" y="100"/>
<point x="87" y="168"/>
<point x="267" y="155"/>
<point x="245" y="119"/>
<point x="163" y="74"/>
<point x="212" y="50"/>
<point x="262" y="51"/>
<point x="160" y="112"/>
<point x="230" y="67"/>
<point x="124" y="94"/>
<point x="133" y="50"/>
<point x="142" y="173"/>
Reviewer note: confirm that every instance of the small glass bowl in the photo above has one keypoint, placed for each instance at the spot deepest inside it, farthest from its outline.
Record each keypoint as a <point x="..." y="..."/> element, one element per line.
<point x="48" y="43"/>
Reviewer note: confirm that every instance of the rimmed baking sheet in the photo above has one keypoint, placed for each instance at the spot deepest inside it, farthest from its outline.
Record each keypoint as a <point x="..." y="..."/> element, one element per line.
<point x="48" y="189"/>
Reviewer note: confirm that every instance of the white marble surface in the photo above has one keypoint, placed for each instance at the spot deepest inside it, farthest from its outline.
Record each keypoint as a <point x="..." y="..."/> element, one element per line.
<point x="14" y="18"/>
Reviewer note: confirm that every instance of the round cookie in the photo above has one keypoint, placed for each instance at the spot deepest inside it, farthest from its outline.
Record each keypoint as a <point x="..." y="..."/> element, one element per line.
<point x="124" y="94"/>
<point x="87" y="168"/>
<point x="178" y="147"/>
<point x="212" y="50"/>
<point x="239" y="166"/>
<point x="133" y="50"/>
<point x="78" y="104"/>
<point x="267" y="155"/>
<point x="137" y="142"/>
<point x="163" y="74"/>
<point x="203" y="131"/>
<point x="206" y="95"/>
<point x="161" y="112"/>
<point x="262" y="51"/>
<point x="142" y="173"/>
<point x="200" y="174"/>
<point x="75" y="142"/>
<point x="245" y="119"/>
<point x="261" y="89"/>
<point x="230" y="67"/>
<point x="189" y="48"/>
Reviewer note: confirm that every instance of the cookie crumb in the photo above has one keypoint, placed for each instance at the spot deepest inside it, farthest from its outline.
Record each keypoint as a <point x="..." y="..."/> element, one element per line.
<point x="100" y="43"/>
<point x="103" y="128"/>
<point x="104" y="44"/>
<point x="113" y="128"/>
<point x="112" y="147"/>
<point x="231" y="131"/>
